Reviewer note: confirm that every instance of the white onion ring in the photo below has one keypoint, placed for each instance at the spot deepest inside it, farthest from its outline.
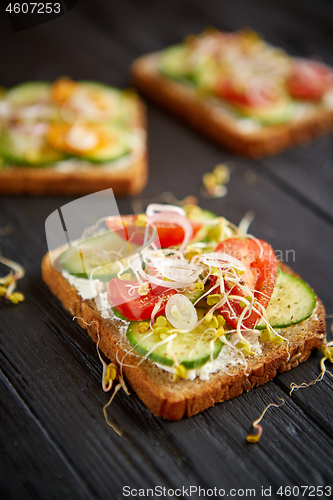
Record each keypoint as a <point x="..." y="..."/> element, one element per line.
<point x="136" y="266"/>
<point x="217" y="259"/>
<point x="181" y="312"/>
<point x="155" y="208"/>
<point x="176" y="269"/>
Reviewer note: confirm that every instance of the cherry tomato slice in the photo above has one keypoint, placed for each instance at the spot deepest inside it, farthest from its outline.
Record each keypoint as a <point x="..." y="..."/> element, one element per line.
<point x="309" y="80"/>
<point x="169" y="234"/>
<point x="261" y="268"/>
<point x="125" y="298"/>
<point x="255" y="94"/>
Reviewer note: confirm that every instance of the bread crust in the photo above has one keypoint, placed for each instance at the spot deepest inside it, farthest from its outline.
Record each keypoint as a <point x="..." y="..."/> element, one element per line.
<point x="155" y="387"/>
<point x="129" y="180"/>
<point x="220" y="125"/>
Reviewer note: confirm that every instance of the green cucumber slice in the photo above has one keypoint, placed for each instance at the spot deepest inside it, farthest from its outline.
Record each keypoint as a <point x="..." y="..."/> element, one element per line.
<point x="29" y="93"/>
<point x="27" y="149"/>
<point x="193" y="296"/>
<point x="82" y="258"/>
<point x="197" y="214"/>
<point x="279" y="113"/>
<point x="191" y="349"/>
<point x="112" y="151"/>
<point x="174" y="62"/>
<point x="292" y="301"/>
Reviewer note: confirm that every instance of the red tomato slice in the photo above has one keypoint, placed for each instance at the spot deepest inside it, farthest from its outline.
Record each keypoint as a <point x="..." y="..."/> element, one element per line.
<point x="134" y="306"/>
<point x="260" y="261"/>
<point x="254" y="94"/>
<point x="169" y="234"/>
<point x="309" y="80"/>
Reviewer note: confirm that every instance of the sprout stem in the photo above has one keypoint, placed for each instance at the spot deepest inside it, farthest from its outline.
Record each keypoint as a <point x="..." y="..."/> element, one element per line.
<point x="254" y="438"/>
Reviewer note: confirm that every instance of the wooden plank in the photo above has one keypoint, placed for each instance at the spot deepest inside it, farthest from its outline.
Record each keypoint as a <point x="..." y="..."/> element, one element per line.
<point x="65" y="46"/>
<point x="30" y="460"/>
<point x="283" y="456"/>
<point x="308" y="171"/>
<point x="321" y="393"/>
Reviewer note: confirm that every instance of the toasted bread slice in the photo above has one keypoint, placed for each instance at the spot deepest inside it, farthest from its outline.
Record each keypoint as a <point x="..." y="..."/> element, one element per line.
<point x="126" y="176"/>
<point x="154" y="386"/>
<point x="129" y="180"/>
<point x="206" y="115"/>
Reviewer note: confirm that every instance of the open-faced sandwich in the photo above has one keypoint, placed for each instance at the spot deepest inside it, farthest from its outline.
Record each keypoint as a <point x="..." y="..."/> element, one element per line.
<point x="249" y="96"/>
<point x="188" y="307"/>
<point x="71" y="137"/>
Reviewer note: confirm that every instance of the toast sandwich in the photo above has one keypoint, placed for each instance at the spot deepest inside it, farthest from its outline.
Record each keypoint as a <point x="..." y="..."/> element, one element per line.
<point x="250" y="97"/>
<point x="70" y="138"/>
<point x="206" y="316"/>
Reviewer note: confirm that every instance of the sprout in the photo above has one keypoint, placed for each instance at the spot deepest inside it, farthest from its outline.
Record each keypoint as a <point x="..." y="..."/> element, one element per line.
<point x="254" y="438"/>
<point x="245" y="346"/>
<point x="161" y="321"/>
<point x="141" y="220"/>
<point x="220" y="320"/>
<point x="327" y="350"/>
<point x="16" y="297"/>
<point x="214" y="182"/>
<point x="214" y="298"/>
<point x="110" y="373"/>
<point x="180" y="371"/>
<point x="208" y="318"/>
<point x="143" y="289"/>
<point x="220" y="332"/>
<point x="199" y="286"/>
<point x="161" y="332"/>
<point x="277" y="340"/>
<point x="266" y="335"/>
<point x="8" y="282"/>
<point x="143" y="327"/>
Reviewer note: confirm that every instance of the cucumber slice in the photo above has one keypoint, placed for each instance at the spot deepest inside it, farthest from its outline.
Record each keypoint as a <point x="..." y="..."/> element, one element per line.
<point x="112" y="142"/>
<point x="278" y="113"/>
<point x="292" y="301"/>
<point x="193" y="296"/>
<point x="191" y="349"/>
<point x="174" y="62"/>
<point x="205" y="75"/>
<point x="29" y="93"/>
<point x="197" y="214"/>
<point x="85" y="256"/>
<point x="24" y="148"/>
<point x="111" y="151"/>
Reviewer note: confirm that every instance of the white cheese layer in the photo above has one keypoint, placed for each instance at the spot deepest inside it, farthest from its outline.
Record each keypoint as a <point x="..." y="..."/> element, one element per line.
<point x="92" y="289"/>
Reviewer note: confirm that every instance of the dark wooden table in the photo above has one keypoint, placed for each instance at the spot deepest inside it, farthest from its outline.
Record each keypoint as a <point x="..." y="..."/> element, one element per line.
<point x="54" y="440"/>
